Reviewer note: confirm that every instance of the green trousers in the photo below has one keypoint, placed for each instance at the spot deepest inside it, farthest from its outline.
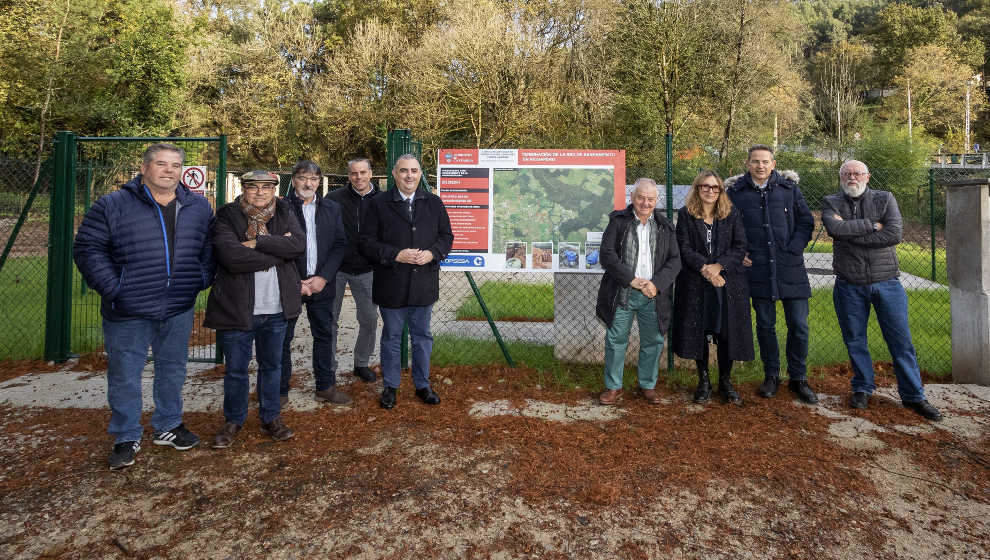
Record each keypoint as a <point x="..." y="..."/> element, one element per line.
<point x="650" y="341"/>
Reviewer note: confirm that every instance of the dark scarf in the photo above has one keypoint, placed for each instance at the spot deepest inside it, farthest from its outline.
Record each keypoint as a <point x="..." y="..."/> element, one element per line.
<point x="257" y="217"/>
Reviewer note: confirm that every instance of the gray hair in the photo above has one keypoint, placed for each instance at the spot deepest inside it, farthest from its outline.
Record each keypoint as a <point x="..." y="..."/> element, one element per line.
<point x="645" y="182"/>
<point x="849" y="162"/>
<point x="406" y="156"/>
<point x="149" y="154"/>
<point x="359" y="160"/>
<point x="306" y="166"/>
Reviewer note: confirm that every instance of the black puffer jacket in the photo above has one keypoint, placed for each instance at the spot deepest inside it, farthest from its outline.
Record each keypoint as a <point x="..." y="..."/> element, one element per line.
<point x="861" y="255"/>
<point x="231" y="302"/>
<point x="666" y="265"/>
<point x="778" y="227"/>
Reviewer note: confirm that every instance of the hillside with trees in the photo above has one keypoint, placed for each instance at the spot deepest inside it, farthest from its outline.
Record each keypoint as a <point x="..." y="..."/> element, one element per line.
<point x="327" y="79"/>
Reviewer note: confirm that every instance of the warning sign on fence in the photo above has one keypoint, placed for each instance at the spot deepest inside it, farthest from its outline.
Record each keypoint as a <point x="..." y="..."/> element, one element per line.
<point x="194" y="177"/>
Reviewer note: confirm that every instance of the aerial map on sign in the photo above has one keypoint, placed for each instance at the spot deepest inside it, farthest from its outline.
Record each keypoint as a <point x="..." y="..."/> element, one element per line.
<point x="529" y="210"/>
<point x="551" y="204"/>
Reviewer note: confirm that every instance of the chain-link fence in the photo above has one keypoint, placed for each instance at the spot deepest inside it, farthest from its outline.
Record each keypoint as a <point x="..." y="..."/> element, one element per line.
<point x="24" y="241"/>
<point x="547" y="317"/>
<point x="542" y="317"/>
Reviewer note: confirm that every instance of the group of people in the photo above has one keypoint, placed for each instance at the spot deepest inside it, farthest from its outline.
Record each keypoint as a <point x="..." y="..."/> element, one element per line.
<point x="741" y="242"/>
<point x="149" y="248"/>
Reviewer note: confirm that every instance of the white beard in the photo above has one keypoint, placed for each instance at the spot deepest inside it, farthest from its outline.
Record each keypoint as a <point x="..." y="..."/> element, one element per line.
<point x="854" y="190"/>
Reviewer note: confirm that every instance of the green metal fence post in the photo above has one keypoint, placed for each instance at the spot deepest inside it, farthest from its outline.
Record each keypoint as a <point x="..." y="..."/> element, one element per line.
<point x="86" y="204"/>
<point x="931" y="216"/>
<point x="58" y="308"/>
<point x="670" y="216"/>
<point x="491" y="322"/>
<point x="220" y="198"/>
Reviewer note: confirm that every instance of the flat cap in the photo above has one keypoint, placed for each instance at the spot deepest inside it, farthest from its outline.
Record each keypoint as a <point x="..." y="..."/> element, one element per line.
<point x="258" y="176"/>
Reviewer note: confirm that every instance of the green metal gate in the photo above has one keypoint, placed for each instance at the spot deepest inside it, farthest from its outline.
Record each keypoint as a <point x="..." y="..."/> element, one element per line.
<point x="85" y="169"/>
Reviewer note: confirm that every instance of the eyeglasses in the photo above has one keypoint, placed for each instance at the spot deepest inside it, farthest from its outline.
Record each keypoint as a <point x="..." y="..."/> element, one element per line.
<point x="855" y="173"/>
<point x="307" y="178"/>
<point x="709" y="188"/>
<point x="255" y="188"/>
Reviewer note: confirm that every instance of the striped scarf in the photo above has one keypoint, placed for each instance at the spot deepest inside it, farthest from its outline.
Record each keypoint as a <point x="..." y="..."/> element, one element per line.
<point x="257" y="217"/>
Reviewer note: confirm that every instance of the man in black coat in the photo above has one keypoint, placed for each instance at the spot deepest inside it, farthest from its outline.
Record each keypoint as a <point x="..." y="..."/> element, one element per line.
<point x="778" y="226"/>
<point x="406" y="233"/>
<point x="326" y="245"/>
<point x="641" y="259"/>
<point x="356" y="270"/>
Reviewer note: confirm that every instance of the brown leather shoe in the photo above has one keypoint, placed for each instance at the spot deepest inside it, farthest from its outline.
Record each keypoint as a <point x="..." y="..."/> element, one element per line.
<point x="610" y="396"/>
<point x="277" y="429"/>
<point x="226" y="435"/>
<point x="650" y="395"/>
<point x="333" y="396"/>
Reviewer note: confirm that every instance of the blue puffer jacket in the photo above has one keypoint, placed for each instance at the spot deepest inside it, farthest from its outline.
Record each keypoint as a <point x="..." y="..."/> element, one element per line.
<point x="120" y="251"/>
<point x="778" y="227"/>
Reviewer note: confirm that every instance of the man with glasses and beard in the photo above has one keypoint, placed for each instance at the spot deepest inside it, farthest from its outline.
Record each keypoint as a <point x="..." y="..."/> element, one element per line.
<point x="866" y="227"/>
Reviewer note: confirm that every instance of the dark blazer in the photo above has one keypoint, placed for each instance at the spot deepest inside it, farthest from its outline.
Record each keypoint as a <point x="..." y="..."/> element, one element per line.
<point x="666" y="265"/>
<point x="120" y="251"/>
<point x="688" y="340"/>
<point x="778" y="228"/>
<point x="353" y="207"/>
<point x="331" y="240"/>
<point x="387" y="230"/>
<point x="231" y="302"/>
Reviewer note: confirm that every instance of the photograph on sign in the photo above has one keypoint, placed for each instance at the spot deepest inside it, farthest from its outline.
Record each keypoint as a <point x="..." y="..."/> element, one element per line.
<point x="501" y="202"/>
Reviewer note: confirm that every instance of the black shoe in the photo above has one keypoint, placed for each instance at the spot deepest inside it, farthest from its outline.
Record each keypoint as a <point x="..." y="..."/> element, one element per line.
<point x="388" y="398"/>
<point x="123" y="454"/>
<point x="859" y="400"/>
<point x="925" y="409"/>
<point x="178" y="437"/>
<point x="769" y="387"/>
<point x="803" y="391"/>
<point x="728" y="392"/>
<point x="427" y="395"/>
<point x="365" y="374"/>
<point x="704" y="391"/>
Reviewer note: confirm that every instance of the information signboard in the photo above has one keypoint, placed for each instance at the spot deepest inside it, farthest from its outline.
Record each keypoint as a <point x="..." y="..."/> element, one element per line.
<point x="530" y="210"/>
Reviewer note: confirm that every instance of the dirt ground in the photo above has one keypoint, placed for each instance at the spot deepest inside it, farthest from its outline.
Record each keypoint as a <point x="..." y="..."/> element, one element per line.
<point x="502" y="468"/>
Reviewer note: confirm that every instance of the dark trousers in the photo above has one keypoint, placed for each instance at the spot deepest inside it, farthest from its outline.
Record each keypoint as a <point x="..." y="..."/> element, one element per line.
<point x="796" y="316"/>
<point x="320" y="313"/>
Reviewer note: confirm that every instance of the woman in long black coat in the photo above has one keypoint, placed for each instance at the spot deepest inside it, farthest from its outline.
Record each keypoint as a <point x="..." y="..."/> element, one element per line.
<point x="711" y="302"/>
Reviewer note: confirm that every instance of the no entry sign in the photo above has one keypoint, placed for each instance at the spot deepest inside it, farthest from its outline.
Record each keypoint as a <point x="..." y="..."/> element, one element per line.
<point x="194" y="177"/>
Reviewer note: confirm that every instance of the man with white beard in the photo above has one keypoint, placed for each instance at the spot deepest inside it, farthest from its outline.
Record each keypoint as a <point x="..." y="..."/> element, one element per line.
<point x="866" y="227"/>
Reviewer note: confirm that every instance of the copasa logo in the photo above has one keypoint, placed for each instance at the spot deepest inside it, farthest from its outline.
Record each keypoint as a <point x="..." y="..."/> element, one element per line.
<point x="472" y="261"/>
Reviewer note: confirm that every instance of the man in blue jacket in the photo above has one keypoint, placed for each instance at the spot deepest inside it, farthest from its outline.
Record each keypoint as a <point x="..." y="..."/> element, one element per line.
<point x="326" y="245"/>
<point x="146" y="250"/>
<point x="778" y="227"/>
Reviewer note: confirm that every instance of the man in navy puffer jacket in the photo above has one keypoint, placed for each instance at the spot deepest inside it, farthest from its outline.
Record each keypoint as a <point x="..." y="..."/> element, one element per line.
<point x="778" y="227"/>
<point x="146" y="250"/>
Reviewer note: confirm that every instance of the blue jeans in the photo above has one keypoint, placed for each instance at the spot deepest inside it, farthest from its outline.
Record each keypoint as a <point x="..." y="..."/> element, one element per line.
<point x="126" y="343"/>
<point x="644" y="310"/>
<point x="418" y="317"/>
<point x="267" y="334"/>
<point x="320" y="313"/>
<point x="852" y="306"/>
<point x="796" y="317"/>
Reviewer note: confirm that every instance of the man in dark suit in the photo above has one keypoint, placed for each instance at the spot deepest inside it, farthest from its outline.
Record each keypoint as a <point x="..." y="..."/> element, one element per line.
<point x="405" y="235"/>
<point x="326" y="245"/>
